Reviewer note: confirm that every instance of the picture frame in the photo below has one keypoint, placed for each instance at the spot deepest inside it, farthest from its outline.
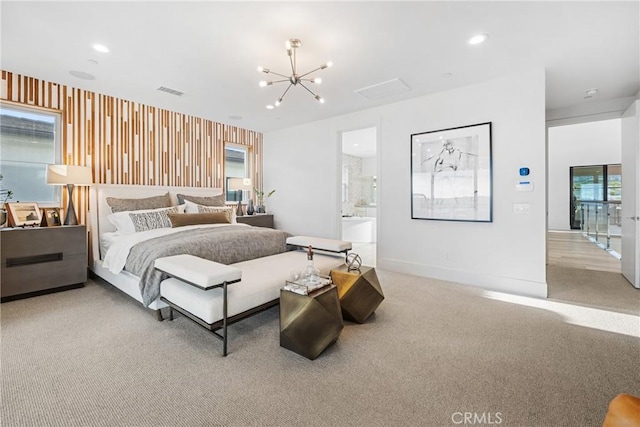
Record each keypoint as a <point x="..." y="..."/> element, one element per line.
<point x="24" y="214"/>
<point x="50" y="217"/>
<point x="451" y="174"/>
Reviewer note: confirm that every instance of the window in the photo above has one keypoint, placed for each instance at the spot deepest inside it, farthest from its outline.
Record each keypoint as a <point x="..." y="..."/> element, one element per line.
<point x="235" y="166"/>
<point x="600" y="183"/>
<point x="29" y="141"/>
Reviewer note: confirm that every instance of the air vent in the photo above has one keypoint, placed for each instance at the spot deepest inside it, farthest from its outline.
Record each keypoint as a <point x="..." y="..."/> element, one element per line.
<point x="171" y="91"/>
<point x="381" y="90"/>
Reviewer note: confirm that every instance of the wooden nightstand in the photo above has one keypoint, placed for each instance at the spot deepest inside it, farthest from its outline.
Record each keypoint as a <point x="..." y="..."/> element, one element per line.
<point x="258" y="220"/>
<point x="38" y="260"/>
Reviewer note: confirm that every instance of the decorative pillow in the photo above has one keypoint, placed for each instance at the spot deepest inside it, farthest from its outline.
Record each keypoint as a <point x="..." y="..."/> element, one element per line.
<point x="191" y="207"/>
<point x="204" y="201"/>
<point x="180" y="220"/>
<point x="155" y="202"/>
<point x="132" y="222"/>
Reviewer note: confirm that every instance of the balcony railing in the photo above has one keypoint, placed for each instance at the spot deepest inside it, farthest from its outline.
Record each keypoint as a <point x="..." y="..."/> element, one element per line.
<point x="600" y="221"/>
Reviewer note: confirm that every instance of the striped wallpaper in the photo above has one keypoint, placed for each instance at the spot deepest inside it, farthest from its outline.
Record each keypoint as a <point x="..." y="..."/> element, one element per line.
<point x="126" y="142"/>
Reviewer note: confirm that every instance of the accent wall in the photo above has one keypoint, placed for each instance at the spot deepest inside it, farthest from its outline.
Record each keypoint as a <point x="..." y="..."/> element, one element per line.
<point x="509" y="254"/>
<point x="126" y="142"/>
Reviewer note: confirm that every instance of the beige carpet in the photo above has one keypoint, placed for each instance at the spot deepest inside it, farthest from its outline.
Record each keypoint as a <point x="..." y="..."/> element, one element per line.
<point x="93" y="357"/>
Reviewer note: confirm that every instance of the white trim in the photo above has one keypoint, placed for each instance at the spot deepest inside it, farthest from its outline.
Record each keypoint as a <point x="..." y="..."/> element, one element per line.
<point x="485" y="281"/>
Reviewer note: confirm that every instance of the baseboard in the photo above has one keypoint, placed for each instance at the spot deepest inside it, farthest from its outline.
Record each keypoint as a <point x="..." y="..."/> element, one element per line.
<point x="485" y="281"/>
<point x="41" y="292"/>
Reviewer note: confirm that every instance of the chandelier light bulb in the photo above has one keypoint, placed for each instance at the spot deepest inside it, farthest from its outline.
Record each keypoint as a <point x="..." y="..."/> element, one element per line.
<point x="329" y="64"/>
<point x="320" y="99"/>
<point x="263" y="83"/>
<point x="277" y="103"/>
<point x="317" y="80"/>
<point x="287" y="44"/>
<point x="270" y="107"/>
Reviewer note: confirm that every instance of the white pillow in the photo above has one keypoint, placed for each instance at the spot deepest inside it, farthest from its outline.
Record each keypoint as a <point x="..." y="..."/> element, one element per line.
<point x="147" y="219"/>
<point x="191" y="207"/>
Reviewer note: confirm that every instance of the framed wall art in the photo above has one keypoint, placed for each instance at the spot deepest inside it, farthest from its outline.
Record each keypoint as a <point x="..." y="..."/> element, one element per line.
<point x="22" y="214"/>
<point x="451" y="176"/>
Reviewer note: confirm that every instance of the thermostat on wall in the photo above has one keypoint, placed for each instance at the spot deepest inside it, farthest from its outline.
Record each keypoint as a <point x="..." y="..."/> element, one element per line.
<point x="524" y="186"/>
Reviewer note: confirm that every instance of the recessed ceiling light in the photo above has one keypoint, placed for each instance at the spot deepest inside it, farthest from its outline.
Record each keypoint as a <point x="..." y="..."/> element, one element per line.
<point x="82" y="75"/>
<point x="101" y="48"/>
<point x="270" y="107"/>
<point x="93" y="61"/>
<point x="478" y="38"/>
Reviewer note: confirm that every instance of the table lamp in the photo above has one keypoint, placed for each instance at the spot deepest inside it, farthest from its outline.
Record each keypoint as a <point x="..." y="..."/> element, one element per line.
<point x="69" y="175"/>
<point x="240" y="184"/>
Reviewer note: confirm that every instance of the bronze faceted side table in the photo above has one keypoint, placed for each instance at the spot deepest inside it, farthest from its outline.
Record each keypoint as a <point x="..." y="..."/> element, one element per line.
<point x="310" y="323"/>
<point x="359" y="291"/>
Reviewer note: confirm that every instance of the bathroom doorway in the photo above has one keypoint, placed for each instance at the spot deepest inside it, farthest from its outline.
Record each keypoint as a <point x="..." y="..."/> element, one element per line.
<point x="359" y="206"/>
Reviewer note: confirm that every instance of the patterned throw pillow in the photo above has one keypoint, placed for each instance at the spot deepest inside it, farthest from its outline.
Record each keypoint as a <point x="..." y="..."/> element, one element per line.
<point x="227" y="211"/>
<point x="204" y="201"/>
<point x="124" y="222"/>
<point x="151" y="220"/>
<point x="155" y="202"/>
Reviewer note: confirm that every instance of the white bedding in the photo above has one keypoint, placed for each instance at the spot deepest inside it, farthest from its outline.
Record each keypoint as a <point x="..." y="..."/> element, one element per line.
<point x="121" y="244"/>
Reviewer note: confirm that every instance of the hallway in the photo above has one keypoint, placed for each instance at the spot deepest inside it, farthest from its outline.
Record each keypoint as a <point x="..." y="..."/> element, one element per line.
<point x="580" y="273"/>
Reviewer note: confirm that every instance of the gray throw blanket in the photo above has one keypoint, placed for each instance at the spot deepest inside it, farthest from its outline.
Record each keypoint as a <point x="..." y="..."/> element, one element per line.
<point x="226" y="245"/>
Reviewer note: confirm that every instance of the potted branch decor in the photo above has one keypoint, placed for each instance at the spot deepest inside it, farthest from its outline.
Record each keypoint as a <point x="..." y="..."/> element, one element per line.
<point x="262" y="198"/>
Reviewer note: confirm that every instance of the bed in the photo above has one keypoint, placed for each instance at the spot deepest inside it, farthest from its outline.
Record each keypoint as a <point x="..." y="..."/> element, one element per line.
<point x="112" y="254"/>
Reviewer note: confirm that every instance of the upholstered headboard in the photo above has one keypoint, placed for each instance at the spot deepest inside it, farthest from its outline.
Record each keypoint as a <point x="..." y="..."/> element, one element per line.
<point x="99" y="210"/>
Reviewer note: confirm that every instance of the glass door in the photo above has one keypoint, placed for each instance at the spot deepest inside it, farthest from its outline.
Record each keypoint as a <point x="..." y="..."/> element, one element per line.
<point x="587" y="185"/>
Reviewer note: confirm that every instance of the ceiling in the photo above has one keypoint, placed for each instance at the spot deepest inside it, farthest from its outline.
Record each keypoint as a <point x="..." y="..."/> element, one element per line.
<point x="210" y="51"/>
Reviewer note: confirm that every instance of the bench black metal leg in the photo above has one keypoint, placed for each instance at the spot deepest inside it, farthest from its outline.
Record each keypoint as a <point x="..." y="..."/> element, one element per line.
<point x="159" y="315"/>
<point x="224" y="319"/>
<point x="170" y="313"/>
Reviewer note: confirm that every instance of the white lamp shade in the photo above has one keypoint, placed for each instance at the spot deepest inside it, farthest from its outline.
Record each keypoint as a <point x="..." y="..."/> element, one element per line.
<point x="240" y="184"/>
<point x="69" y="174"/>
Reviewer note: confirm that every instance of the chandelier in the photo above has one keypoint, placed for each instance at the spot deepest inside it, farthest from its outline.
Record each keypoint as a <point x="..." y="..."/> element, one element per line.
<point x="294" y="79"/>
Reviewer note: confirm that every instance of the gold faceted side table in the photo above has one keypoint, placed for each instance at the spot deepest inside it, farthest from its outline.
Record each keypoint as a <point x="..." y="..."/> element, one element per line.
<point x="359" y="291"/>
<point x="310" y="323"/>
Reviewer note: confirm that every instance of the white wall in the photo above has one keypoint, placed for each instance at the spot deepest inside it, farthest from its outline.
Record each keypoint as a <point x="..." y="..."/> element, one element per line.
<point x="508" y="254"/>
<point x="585" y="144"/>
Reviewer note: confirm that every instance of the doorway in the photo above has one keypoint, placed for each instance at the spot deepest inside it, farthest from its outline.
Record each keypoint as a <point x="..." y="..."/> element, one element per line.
<point x="584" y="187"/>
<point x="359" y="192"/>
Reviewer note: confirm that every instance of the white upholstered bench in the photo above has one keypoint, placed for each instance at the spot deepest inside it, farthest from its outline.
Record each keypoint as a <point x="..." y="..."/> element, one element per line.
<point x="190" y="273"/>
<point x="259" y="289"/>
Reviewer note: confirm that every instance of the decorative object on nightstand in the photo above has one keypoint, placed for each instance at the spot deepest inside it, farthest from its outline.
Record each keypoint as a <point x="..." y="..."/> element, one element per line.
<point x="250" y="210"/>
<point x="69" y="175"/>
<point x="262" y="198"/>
<point x="24" y="214"/>
<point x="239" y="184"/>
<point x="359" y="291"/>
<point x="50" y="217"/>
